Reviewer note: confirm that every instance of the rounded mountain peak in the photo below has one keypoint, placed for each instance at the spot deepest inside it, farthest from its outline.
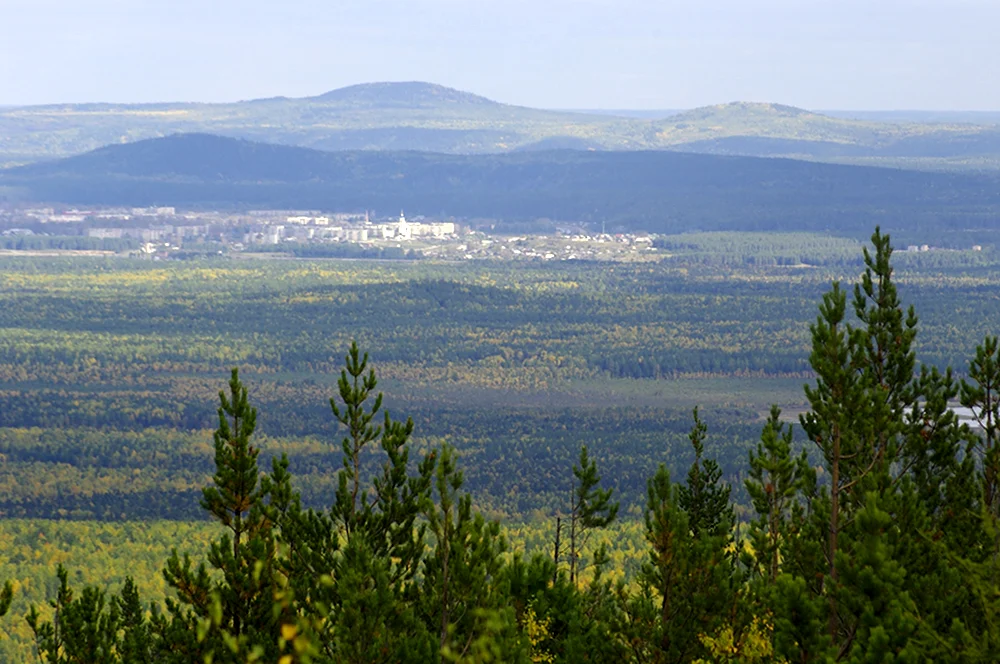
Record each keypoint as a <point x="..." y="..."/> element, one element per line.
<point x="411" y="94"/>
<point x="744" y="109"/>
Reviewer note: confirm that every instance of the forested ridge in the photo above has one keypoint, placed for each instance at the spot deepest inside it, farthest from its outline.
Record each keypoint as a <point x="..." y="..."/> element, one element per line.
<point x="656" y="191"/>
<point x="838" y="550"/>
<point x="433" y="118"/>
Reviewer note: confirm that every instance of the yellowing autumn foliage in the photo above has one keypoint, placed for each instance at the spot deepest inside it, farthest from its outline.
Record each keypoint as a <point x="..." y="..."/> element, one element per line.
<point x="753" y="646"/>
<point x="537" y="630"/>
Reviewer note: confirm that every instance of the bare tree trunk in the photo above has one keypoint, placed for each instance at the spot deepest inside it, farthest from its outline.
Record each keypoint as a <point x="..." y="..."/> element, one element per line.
<point x="834" y="528"/>
<point x="444" y="600"/>
<point x="555" y="557"/>
<point x="572" y="537"/>
<point x="237" y="532"/>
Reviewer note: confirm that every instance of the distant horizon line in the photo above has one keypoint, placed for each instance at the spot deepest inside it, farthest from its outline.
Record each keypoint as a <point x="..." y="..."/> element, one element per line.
<point x="637" y="112"/>
<point x="597" y="110"/>
<point x="646" y="112"/>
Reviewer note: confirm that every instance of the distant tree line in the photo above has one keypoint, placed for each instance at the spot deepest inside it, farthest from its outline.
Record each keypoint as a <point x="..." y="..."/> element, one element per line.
<point x="66" y="242"/>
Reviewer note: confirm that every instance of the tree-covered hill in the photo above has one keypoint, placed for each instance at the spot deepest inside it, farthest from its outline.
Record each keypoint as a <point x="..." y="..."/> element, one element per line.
<point x="412" y="94"/>
<point x="658" y="191"/>
<point x="428" y="117"/>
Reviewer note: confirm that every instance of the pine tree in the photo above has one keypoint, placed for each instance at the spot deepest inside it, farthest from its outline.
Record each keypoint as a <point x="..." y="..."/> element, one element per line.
<point x="835" y="423"/>
<point x="774" y="483"/>
<point x="668" y="533"/>
<point x="354" y="392"/>
<point x="887" y="624"/>
<point x="236" y="499"/>
<point x="885" y="359"/>
<point x="369" y="544"/>
<point x="891" y="447"/>
<point x="461" y="578"/>
<point x="800" y="635"/>
<point x="939" y="527"/>
<point x="83" y="630"/>
<point x="705" y="497"/>
<point x="245" y="554"/>
<point x="981" y="394"/>
<point x="590" y="507"/>
<point x="690" y="579"/>
<point x="932" y="461"/>
<point x="370" y="618"/>
<point x="136" y="646"/>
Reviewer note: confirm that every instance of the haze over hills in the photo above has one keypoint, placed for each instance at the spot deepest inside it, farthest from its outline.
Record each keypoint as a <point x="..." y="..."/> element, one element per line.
<point x="658" y="191"/>
<point x="433" y="118"/>
<point x="402" y="95"/>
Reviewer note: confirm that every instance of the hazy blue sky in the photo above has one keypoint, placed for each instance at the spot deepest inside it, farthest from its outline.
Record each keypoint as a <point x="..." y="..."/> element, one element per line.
<point x="821" y="54"/>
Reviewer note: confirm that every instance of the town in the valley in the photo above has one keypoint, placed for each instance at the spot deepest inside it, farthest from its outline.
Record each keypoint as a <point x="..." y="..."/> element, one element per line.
<point x="162" y="233"/>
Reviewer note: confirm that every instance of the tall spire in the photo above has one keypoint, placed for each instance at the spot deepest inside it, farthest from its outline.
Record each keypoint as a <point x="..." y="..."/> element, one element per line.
<point x="403" y="229"/>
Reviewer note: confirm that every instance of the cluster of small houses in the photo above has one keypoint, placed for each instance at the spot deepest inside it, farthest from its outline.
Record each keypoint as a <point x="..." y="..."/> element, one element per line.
<point x="163" y="225"/>
<point x="917" y="248"/>
<point x="348" y="228"/>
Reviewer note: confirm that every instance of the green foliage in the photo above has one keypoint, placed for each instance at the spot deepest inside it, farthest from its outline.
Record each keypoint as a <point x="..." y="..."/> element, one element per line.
<point x="704" y="497"/>
<point x="799" y="622"/>
<point x="981" y="394"/>
<point x="774" y="484"/>
<point x="591" y="507"/>
<point x="689" y="586"/>
<point x="900" y="512"/>
<point x="354" y="392"/>
<point x="459" y="586"/>
<point x="873" y="589"/>
<point x="843" y="562"/>
<point x="237" y="599"/>
<point x="136" y="644"/>
<point x="117" y="425"/>
<point x="84" y="628"/>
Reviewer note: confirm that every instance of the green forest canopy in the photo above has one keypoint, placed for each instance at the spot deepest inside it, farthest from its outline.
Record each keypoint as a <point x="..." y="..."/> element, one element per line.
<point x="841" y="560"/>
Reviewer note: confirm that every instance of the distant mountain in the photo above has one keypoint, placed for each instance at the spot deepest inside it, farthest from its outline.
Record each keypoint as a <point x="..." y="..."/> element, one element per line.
<point x="401" y="95"/>
<point x="656" y="191"/>
<point x="775" y="130"/>
<point x="741" y="111"/>
<point x="776" y="121"/>
<point x="434" y="118"/>
<point x="373" y="116"/>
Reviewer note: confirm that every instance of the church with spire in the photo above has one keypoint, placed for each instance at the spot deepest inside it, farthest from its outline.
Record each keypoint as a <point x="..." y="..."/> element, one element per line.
<point x="403" y="229"/>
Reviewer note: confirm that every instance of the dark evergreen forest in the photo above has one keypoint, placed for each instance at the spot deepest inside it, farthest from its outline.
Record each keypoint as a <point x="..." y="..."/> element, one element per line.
<point x="657" y="191"/>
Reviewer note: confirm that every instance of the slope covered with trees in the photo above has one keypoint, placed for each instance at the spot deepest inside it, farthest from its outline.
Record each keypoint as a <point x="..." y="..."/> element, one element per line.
<point x="433" y="118"/>
<point x="664" y="192"/>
